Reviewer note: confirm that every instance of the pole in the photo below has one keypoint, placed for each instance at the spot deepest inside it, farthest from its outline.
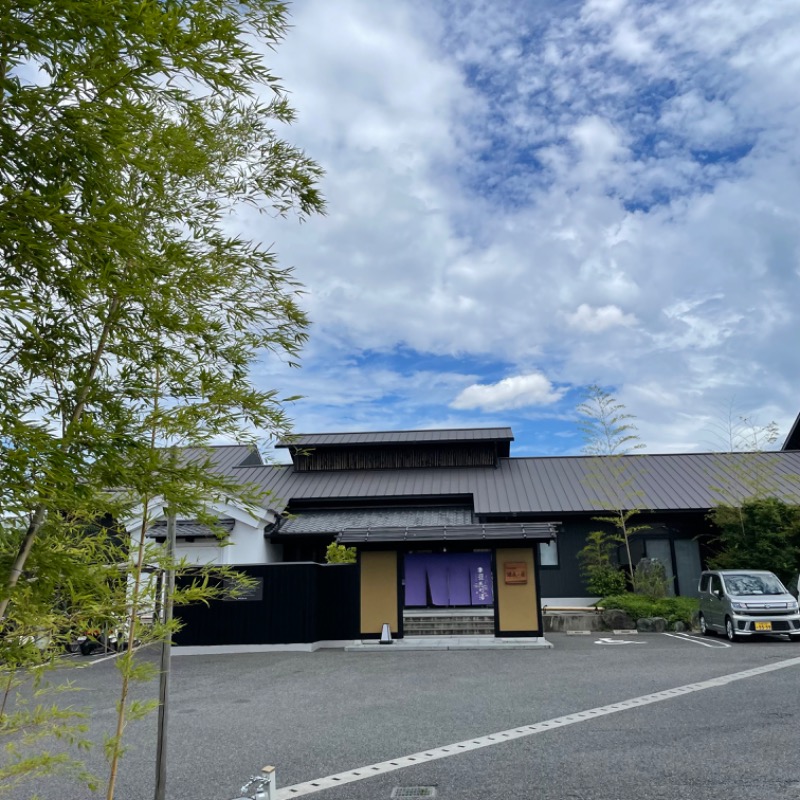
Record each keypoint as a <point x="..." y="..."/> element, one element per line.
<point x="166" y="649"/>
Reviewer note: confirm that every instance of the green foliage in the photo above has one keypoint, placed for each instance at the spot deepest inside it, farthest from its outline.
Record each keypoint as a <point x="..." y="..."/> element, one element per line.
<point x="121" y="162"/>
<point x="130" y="318"/>
<point x="650" y="578"/>
<point x="29" y="720"/>
<point x="608" y="430"/>
<point x="597" y="566"/>
<point x="339" y="554"/>
<point x="734" y="432"/>
<point x="610" y="435"/>
<point x="673" y="609"/>
<point x="761" y="533"/>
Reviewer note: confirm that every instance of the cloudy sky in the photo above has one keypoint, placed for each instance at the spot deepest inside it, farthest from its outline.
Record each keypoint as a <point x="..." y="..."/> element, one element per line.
<point x="528" y="197"/>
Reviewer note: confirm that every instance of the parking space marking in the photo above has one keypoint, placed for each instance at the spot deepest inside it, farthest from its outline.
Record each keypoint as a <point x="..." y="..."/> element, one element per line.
<point x="696" y="640"/>
<point x="435" y="753"/>
<point x="615" y="641"/>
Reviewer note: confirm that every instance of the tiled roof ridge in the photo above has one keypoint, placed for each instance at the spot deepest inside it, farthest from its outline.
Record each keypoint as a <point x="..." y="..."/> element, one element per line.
<point x="404" y="430"/>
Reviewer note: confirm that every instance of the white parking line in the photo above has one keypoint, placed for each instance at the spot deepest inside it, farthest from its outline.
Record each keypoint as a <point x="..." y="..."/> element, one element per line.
<point x="609" y="640"/>
<point x="435" y="753"/>
<point x="696" y="640"/>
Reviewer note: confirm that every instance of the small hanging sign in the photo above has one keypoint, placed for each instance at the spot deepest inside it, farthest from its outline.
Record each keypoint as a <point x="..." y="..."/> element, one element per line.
<point x="515" y="572"/>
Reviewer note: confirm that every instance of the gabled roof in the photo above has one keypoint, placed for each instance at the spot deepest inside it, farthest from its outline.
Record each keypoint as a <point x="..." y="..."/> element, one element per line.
<point x="398" y="437"/>
<point x="225" y="457"/>
<point x="793" y="439"/>
<point x="190" y="529"/>
<point x="548" y="485"/>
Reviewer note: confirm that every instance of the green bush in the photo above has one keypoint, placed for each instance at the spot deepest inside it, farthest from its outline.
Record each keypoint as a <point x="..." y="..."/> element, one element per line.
<point x="339" y="554"/>
<point x="602" y="575"/>
<point x="673" y="609"/>
<point x="650" y="579"/>
<point x="605" y="580"/>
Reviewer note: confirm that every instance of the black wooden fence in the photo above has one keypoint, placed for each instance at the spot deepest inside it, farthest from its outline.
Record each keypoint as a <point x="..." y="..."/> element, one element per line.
<point x="291" y="603"/>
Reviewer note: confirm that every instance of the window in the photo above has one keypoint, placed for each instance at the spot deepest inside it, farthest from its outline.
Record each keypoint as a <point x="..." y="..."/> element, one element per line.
<point x="548" y="554"/>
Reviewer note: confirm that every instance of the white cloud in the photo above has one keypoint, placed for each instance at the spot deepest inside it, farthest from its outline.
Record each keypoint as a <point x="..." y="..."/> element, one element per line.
<point x="593" y="320"/>
<point x="519" y="391"/>
<point x="502" y="183"/>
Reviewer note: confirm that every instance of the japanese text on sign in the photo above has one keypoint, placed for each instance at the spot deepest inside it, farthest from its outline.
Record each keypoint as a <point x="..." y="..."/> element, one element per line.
<point x="516" y="571"/>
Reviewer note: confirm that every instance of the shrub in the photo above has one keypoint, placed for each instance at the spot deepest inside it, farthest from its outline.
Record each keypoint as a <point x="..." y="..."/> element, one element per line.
<point x="650" y="578"/>
<point x="606" y="580"/>
<point x="673" y="609"/>
<point x="602" y="575"/>
<point x="339" y="554"/>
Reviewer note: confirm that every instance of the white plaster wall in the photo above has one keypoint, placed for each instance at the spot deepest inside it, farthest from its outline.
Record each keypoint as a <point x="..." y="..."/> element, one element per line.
<point x="245" y="544"/>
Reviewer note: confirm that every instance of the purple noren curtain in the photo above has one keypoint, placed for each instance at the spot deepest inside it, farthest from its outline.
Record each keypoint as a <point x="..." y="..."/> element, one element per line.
<point x="453" y="579"/>
<point x="416" y="580"/>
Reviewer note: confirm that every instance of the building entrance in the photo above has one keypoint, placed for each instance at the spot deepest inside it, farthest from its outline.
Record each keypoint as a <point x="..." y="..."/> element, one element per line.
<point x="437" y="580"/>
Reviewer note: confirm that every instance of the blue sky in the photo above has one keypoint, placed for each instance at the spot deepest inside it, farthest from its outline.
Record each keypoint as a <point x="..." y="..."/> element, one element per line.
<point x="526" y="198"/>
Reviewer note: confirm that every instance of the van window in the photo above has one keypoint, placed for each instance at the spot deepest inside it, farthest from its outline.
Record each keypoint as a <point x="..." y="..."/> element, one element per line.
<point x="704" y="582"/>
<point x="749" y="585"/>
<point x="716" y="583"/>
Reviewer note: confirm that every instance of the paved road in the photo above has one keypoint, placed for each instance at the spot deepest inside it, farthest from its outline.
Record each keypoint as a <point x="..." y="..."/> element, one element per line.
<point x="326" y="713"/>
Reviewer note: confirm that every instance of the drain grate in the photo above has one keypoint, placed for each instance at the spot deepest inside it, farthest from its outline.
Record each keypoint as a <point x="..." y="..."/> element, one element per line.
<point x="414" y="791"/>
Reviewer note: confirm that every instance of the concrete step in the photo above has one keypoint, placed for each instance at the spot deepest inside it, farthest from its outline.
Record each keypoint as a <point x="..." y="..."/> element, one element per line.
<point x="446" y="623"/>
<point x="448" y="620"/>
<point x="578" y="621"/>
<point x="448" y="626"/>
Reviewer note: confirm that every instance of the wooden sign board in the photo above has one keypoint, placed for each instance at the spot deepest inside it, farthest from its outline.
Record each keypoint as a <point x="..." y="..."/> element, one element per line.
<point x="515" y="571"/>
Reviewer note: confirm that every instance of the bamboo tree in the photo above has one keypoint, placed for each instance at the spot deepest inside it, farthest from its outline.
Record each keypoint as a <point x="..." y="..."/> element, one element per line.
<point x="756" y="527"/>
<point x="610" y="434"/>
<point x="128" y="137"/>
<point x="119" y="171"/>
<point x="747" y="471"/>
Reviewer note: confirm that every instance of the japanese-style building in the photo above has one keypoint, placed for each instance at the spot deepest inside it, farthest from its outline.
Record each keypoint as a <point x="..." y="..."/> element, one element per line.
<point x="449" y="519"/>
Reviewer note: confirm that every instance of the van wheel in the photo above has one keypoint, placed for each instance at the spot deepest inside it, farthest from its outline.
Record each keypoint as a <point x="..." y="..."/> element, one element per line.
<point x="730" y="631"/>
<point x="795" y="637"/>
<point x="704" y="629"/>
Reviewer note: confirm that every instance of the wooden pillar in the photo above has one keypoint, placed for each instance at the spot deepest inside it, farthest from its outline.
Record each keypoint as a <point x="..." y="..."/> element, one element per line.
<point x="379" y="597"/>
<point x="517" y="601"/>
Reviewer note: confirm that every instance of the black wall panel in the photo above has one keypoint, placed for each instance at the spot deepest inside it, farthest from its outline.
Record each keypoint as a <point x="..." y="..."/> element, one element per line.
<point x="299" y="603"/>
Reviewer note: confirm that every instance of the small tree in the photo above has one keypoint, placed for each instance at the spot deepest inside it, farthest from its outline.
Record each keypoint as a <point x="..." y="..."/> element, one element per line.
<point x="339" y="554"/>
<point x="610" y="435"/>
<point x="756" y="528"/>
<point x="762" y="533"/>
<point x="651" y="578"/>
<point x="131" y="318"/>
<point x="603" y="578"/>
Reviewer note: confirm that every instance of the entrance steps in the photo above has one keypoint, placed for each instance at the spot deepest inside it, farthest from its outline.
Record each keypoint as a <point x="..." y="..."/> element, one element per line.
<point x="448" y="622"/>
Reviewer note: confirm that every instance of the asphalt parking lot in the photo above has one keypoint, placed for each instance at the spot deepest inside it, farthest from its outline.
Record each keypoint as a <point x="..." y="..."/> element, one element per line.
<point x="597" y="717"/>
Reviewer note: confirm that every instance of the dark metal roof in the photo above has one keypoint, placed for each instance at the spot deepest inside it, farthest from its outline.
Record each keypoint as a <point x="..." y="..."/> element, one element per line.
<point x="333" y="521"/>
<point x="398" y="437"/>
<point x="225" y="457"/>
<point x="793" y="439"/>
<point x="538" y="531"/>
<point x="550" y="485"/>
<point x="190" y="529"/>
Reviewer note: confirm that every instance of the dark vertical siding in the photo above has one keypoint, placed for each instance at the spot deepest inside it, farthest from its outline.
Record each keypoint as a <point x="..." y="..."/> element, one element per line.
<point x="326" y="459"/>
<point x="566" y="579"/>
<point x="300" y="603"/>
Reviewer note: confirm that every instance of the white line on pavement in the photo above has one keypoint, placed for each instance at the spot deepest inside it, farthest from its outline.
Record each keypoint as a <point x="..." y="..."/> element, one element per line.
<point x="609" y="640"/>
<point x="694" y="640"/>
<point x="435" y="753"/>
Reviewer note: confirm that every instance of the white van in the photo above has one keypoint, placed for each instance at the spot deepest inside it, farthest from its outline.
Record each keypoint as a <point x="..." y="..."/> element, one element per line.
<point x="740" y="602"/>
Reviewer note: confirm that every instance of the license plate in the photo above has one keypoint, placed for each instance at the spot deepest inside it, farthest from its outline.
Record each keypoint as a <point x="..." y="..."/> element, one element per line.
<point x="762" y="626"/>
